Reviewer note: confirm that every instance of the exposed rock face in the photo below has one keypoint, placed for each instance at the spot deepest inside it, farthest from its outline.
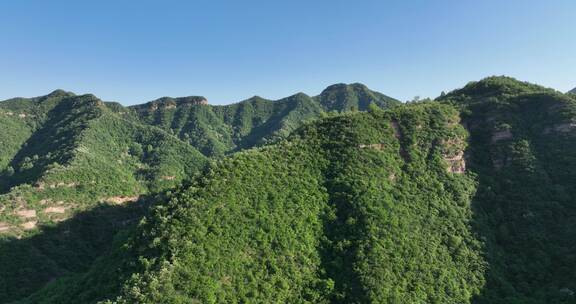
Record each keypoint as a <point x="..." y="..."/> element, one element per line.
<point x="372" y="146"/>
<point x="501" y="135"/>
<point x="456" y="163"/>
<point x="168" y="103"/>
<point x="396" y="130"/>
<point x="121" y="199"/>
<point x="41" y="186"/>
<point x="29" y="225"/>
<point x="19" y="115"/>
<point x="202" y="101"/>
<point x="453" y="155"/>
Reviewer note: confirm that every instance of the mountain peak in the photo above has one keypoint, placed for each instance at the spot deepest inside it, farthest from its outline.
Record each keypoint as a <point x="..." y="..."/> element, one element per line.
<point x="344" y="86"/>
<point x="495" y="86"/>
<point x="573" y="91"/>
<point x="59" y="93"/>
<point x="300" y="95"/>
<point x="342" y="97"/>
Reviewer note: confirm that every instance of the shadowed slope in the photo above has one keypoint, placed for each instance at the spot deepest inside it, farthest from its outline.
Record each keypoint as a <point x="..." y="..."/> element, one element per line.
<point x="523" y="147"/>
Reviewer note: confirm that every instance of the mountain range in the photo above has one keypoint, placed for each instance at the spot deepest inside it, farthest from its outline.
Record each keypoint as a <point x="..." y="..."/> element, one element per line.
<point x="346" y="197"/>
<point x="69" y="150"/>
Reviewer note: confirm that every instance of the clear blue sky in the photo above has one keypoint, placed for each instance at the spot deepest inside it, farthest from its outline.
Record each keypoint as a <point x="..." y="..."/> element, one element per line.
<point x="136" y="51"/>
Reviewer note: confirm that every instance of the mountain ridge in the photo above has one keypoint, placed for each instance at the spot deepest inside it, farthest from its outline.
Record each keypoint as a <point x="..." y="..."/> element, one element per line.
<point x="464" y="199"/>
<point x="62" y="92"/>
<point x="58" y="147"/>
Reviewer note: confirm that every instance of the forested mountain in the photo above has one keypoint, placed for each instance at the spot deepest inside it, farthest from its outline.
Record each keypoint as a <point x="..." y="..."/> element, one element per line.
<point x="465" y="199"/>
<point x="573" y="91"/>
<point x="522" y="149"/>
<point x="218" y="130"/>
<point x="63" y="156"/>
<point x="66" y="152"/>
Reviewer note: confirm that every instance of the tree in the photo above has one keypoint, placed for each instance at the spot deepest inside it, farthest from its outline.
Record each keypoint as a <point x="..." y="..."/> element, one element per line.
<point x="9" y="171"/>
<point x="373" y="108"/>
<point x="26" y="164"/>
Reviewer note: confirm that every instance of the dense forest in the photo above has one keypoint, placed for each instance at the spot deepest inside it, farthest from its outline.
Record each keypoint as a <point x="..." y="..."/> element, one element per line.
<point x="219" y="130"/>
<point x="346" y="197"/>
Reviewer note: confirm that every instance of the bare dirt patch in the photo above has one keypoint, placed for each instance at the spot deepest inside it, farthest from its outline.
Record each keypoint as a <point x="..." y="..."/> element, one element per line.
<point x="26" y="213"/>
<point x="29" y="225"/>
<point x="118" y="200"/>
<point x="4" y="227"/>
<point x="59" y="210"/>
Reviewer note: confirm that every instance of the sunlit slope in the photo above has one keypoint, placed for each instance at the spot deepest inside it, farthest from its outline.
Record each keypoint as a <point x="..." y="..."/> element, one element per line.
<point x="364" y="207"/>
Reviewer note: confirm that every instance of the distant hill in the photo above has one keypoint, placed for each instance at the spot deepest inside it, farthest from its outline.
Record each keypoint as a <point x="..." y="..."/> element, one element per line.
<point x="573" y="91"/>
<point x="356" y="96"/>
<point x="218" y="130"/>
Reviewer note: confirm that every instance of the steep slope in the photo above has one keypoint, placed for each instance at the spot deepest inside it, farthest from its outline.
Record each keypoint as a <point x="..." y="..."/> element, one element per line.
<point x="81" y="153"/>
<point x="19" y="118"/>
<point x="81" y="162"/>
<point x="523" y="148"/>
<point x="573" y="91"/>
<point x="218" y="130"/>
<point x="357" y="208"/>
<point x="54" y="141"/>
<point x="14" y="133"/>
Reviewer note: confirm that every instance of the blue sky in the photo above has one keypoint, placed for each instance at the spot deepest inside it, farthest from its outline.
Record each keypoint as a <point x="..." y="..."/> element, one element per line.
<point x="136" y="51"/>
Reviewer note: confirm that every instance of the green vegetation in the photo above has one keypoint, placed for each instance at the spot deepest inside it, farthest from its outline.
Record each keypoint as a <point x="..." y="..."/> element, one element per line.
<point x="219" y="130"/>
<point x="80" y="153"/>
<point x="523" y="148"/>
<point x="64" y="155"/>
<point x="61" y="250"/>
<point x="356" y="96"/>
<point x="465" y="199"/>
<point x="19" y="118"/>
<point x="355" y="208"/>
